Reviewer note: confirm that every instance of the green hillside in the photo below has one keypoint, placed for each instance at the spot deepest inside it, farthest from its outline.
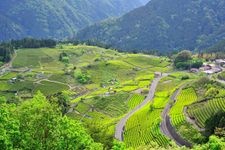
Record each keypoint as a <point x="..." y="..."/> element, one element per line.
<point x="99" y="83"/>
<point x="56" y="19"/>
<point x="164" y="26"/>
<point x="94" y="89"/>
<point x="151" y="77"/>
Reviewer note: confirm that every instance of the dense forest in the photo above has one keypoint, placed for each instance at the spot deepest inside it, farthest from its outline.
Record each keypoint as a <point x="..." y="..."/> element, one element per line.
<point x="56" y="19"/>
<point x="163" y="25"/>
<point x="6" y="52"/>
<point x="218" y="47"/>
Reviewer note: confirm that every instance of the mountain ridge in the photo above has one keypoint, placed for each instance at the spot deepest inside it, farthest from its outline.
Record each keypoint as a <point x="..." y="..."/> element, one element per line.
<point x="56" y="19"/>
<point x="163" y="25"/>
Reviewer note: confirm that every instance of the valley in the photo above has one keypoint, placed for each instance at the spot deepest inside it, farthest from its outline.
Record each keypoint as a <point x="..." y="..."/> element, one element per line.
<point x="112" y="75"/>
<point x="139" y="99"/>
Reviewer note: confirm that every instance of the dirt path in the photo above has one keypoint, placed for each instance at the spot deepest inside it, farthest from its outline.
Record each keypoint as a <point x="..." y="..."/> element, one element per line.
<point x="166" y="126"/>
<point x="58" y="82"/>
<point x="6" y="67"/>
<point x="121" y="124"/>
<point x="220" y="81"/>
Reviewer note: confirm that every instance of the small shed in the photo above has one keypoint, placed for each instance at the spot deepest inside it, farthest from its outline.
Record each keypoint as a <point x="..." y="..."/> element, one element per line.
<point x="158" y="74"/>
<point x="13" y="80"/>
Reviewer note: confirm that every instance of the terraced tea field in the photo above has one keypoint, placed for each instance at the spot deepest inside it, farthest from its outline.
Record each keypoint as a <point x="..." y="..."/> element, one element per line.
<point x="135" y="100"/>
<point x="105" y="85"/>
<point x="143" y="128"/>
<point x="203" y="111"/>
<point x="106" y="68"/>
<point x="185" y="98"/>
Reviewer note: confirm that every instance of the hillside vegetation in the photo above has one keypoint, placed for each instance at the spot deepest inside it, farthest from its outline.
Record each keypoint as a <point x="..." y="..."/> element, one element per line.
<point x="163" y="25"/>
<point x="38" y="124"/>
<point x="93" y="85"/>
<point x="79" y="93"/>
<point x="56" y="19"/>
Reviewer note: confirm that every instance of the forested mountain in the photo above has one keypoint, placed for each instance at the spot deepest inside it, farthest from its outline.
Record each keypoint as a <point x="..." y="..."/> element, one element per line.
<point x="218" y="47"/>
<point x="56" y="18"/>
<point x="163" y="25"/>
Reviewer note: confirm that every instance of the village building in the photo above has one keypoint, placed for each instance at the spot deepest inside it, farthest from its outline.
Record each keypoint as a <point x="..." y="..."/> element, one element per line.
<point x="194" y="70"/>
<point x="213" y="70"/>
<point x="220" y="62"/>
<point x="212" y="67"/>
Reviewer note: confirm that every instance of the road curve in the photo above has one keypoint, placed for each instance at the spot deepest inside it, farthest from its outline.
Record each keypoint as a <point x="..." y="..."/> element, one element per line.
<point x="166" y="126"/>
<point x="165" y="112"/>
<point x="220" y="81"/>
<point x="121" y="124"/>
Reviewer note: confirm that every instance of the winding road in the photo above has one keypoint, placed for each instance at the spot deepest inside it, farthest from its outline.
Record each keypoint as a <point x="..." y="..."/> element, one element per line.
<point x="121" y="124"/>
<point x="166" y="126"/>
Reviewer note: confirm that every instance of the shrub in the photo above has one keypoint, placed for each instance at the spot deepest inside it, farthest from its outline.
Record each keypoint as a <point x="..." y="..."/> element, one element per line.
<point x="145" y="91"/>
<point x="185" y="77"/>
<point x="215" y="121"/>
<point x="211" y="92"/>
<point x="83" y="78"/>
<point x="63" y="57"/>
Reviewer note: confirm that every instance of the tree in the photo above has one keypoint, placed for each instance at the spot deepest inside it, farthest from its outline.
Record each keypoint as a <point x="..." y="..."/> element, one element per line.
<point x="211" y="92"/>
<point x="117" y="145"/>
<point x="183" y="59"/>
<point x="151" y="107"/>
<point x="214" y="143"/>
<point x="100" y="133"/>
<point x="183" y="56"/>
<point x="214" y="122"/>
<point x="64" y="57"/>
<point x="6" y="52"/>
<point x="222" y="122"/>
<point x="33" y="43"/>
<point x="82" y="77"/>
<point x="39" y="124"/>
<point x="9" y="126"/>
<point x="62" y="99"/>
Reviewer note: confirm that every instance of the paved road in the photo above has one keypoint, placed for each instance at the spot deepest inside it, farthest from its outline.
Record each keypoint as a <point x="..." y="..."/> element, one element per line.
<point x="163" y="126"/>
<point x="220" y="81"/>
<point x="121" y="125"/>
<point x="166" y="126"/>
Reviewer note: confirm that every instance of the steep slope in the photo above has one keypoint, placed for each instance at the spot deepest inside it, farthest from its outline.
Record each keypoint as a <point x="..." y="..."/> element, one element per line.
<point x="56" y="18"/>
<point x="163" y="25"/>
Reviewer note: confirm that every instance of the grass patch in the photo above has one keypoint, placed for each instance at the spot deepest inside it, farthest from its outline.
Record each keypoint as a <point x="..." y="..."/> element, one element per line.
<point x="49" y="88"/>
